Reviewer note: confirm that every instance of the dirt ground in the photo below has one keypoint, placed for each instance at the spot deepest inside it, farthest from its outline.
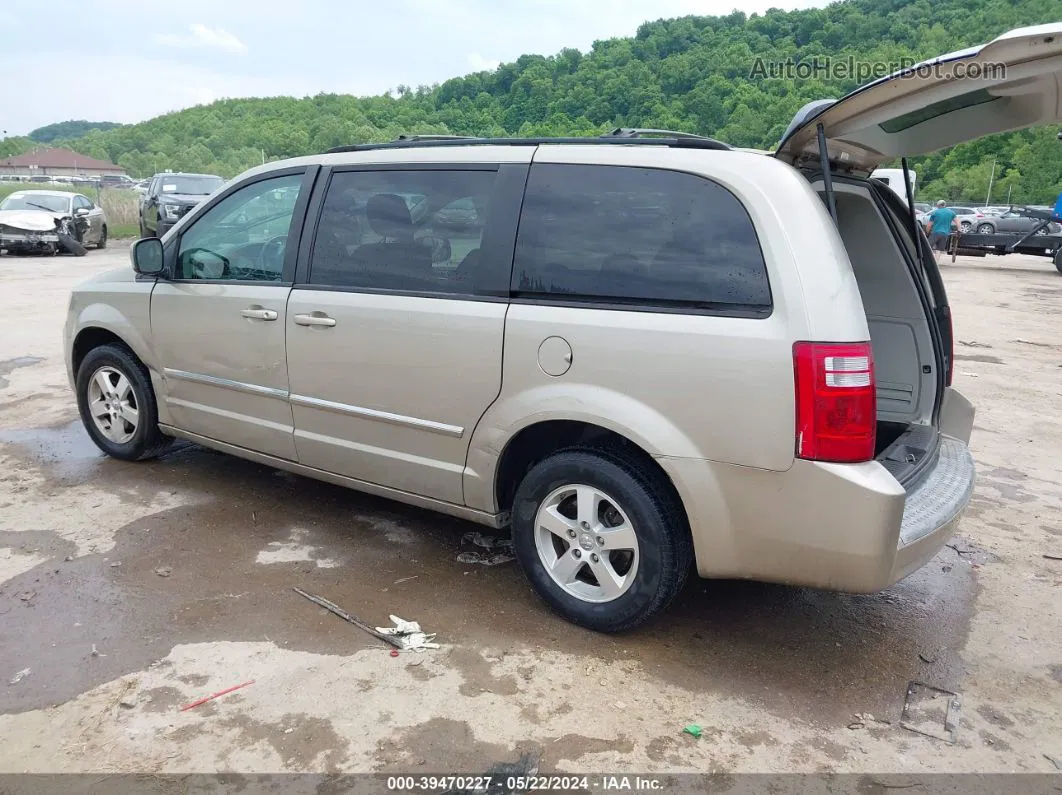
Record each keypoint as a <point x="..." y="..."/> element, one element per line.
<point x="128" y="590"/>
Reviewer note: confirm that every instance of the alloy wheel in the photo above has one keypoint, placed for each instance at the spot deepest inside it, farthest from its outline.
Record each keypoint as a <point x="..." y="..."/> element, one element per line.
<point x="586" y="543"/>
<point x="113" y="405"/>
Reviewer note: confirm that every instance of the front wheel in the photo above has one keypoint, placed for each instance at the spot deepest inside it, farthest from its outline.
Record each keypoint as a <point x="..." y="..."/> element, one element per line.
<point x="1058" y="260"/>
<point x="986" y="229"/>
<point x="117" y="404"/>
<point x="102" y="242"/>
<point x="965" y="227"/>
<point x="601" y="538"/>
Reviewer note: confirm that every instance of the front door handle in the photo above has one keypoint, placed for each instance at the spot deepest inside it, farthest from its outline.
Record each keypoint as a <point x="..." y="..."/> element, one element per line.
<point x="257" y="313"/>
<point x="314" y="320"/>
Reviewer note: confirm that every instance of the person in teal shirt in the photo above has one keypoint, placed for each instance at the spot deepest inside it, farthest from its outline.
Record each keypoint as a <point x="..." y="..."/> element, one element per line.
<point x="941" y="221"/>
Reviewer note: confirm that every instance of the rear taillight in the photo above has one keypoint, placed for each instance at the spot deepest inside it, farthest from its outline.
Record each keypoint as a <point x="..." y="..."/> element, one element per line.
<point x="836" y="413"/>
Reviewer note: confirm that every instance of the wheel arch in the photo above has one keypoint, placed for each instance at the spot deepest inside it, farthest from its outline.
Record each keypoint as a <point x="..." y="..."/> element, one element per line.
<point x="520" y="430"/>
<point x="597" y="410"/>
<point x="539" y="440"/>
<point x="102" y="324"/>
<point x="92" y="337"/>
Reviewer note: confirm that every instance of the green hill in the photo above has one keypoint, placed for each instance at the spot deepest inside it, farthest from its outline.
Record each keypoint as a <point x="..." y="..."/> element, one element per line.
<point x="691" y="73"/>
<point x="69" y="129"/>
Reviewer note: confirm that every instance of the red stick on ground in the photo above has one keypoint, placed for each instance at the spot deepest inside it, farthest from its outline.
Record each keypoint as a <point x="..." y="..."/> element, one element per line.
<point x="205" y="699"/>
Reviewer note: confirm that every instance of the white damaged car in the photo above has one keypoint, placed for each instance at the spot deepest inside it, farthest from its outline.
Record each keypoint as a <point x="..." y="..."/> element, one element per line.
<point x="50" y="221"/>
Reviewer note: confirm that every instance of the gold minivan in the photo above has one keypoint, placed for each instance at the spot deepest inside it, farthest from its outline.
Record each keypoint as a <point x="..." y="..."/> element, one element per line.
<point x="644" y="353"/>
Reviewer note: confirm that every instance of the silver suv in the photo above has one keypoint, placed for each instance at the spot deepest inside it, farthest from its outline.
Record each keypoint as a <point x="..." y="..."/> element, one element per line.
<point x="642" y="353"/>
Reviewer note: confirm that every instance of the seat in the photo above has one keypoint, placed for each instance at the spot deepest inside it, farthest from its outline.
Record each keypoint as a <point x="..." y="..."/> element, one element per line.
<point x="397" y="254"/>
<point x="338" y="233"/>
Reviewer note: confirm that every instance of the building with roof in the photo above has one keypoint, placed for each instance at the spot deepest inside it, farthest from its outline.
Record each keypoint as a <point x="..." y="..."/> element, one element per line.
<point x="51" y="162"/>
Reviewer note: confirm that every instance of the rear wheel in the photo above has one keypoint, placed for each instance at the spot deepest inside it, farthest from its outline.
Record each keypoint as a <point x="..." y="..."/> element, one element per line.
<point x="1058" y="260"/>
<point x="601" y="538"/>
<point x="117" y="404"/>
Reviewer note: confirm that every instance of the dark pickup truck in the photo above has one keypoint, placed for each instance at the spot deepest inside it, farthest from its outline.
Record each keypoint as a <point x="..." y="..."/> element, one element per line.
<point x="169" y="196"/>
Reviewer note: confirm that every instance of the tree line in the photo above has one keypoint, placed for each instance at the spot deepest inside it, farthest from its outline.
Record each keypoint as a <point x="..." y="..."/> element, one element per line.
<point x="697" y="74"/>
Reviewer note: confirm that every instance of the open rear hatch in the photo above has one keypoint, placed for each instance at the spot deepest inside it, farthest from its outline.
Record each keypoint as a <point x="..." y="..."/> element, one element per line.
<point x="1012" y="82"/>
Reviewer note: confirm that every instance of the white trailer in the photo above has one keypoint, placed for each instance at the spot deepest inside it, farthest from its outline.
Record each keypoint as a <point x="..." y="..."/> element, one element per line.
<point x="893" y="177"/>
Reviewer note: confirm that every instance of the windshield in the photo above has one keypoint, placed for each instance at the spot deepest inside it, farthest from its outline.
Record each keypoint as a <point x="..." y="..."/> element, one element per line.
<point x="197" y="185"/>
<point x="36" y="201"/>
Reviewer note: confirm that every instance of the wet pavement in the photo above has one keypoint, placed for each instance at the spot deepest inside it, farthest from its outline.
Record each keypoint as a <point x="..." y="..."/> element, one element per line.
<point x="171" y="577"/>
<point x="815" y="655"/>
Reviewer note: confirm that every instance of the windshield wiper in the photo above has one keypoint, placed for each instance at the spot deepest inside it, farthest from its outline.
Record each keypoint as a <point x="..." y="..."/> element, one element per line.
<point x="42" y="207"/>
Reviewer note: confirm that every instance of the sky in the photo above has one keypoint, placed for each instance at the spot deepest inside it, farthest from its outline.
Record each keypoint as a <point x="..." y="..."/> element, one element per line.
<point x="131" y="60"/>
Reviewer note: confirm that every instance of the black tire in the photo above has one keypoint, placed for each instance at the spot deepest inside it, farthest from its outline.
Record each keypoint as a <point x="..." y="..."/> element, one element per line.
<point x="71" y="245"/>
<point x="986" y="229"/>
<point x="147" y="440"/>
<point x="102" y="243"/>
<point x="1058" y="260"/>
<point x="664" y="548"/>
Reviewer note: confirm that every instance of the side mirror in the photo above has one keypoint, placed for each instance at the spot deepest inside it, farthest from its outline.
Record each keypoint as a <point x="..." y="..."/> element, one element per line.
<point x="147" y="256"/>
<point x="81" y="212"/>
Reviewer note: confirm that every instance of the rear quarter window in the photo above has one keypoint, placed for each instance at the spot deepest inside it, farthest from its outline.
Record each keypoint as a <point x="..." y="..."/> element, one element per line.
<point x="633" y="237"/>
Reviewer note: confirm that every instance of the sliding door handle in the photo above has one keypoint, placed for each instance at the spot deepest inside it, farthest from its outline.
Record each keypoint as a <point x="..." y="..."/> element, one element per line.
<point x="257" y="313"/>
<point x="314" y="320"/>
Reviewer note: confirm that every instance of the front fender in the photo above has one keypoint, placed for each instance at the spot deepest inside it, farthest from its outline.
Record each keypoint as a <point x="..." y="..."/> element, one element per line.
<point x="124" y="312"/>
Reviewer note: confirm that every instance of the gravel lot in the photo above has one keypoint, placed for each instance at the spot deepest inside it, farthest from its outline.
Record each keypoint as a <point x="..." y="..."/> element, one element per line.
<point x="128" y="590"/>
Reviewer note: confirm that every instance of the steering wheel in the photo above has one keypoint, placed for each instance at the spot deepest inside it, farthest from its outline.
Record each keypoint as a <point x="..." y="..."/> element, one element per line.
<point x="271" y="257"/>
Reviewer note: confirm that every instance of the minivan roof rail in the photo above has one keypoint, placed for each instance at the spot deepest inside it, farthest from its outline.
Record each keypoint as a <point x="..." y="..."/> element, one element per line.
<point x="433" y="137"/>
<point x="676" y="140"/>
<point x="648" y="132"/>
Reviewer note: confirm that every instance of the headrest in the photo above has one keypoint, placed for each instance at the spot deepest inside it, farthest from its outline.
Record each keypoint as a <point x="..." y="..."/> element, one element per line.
<point x="389" y="216"/>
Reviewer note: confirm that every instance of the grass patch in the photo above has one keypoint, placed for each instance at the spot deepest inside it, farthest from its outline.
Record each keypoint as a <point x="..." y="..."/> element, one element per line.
<point x="116" y="231"/>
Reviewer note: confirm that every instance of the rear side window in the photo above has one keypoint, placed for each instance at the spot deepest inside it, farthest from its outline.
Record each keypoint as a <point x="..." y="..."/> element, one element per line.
<point x="407" y="231"/>
<point x="637" y="236"/>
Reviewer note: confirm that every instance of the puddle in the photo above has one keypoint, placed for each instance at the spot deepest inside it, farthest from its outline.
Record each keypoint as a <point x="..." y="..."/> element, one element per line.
<point x="9" y="365"/>
<point x="67" y="450"/>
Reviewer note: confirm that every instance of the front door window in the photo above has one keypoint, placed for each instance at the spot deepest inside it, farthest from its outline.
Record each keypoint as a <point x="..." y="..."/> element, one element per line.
<point x="243" y="237"/>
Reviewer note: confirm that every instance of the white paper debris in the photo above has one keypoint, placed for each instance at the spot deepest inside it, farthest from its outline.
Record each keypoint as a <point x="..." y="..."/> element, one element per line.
<point x="409" y="635"/>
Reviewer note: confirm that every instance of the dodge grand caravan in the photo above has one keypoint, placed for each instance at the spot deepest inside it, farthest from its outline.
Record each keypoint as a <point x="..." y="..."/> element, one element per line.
<point x="642" y="353"/>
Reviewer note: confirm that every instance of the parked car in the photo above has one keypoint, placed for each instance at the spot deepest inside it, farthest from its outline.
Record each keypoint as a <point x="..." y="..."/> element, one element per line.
<point x="460" y="215"/>
<point x="707" y="387"/>
<point x="116" y="181"/>
<point x="1014" y="222"/>
<point x="170" y="196"/>
<point x="967" y="217"/>
<point x="47" y="221"/>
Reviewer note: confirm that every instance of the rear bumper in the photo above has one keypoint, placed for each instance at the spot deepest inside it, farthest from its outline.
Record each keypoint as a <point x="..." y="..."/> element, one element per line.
<point x="843" y="527"/>
<point x="933" y="508"/>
